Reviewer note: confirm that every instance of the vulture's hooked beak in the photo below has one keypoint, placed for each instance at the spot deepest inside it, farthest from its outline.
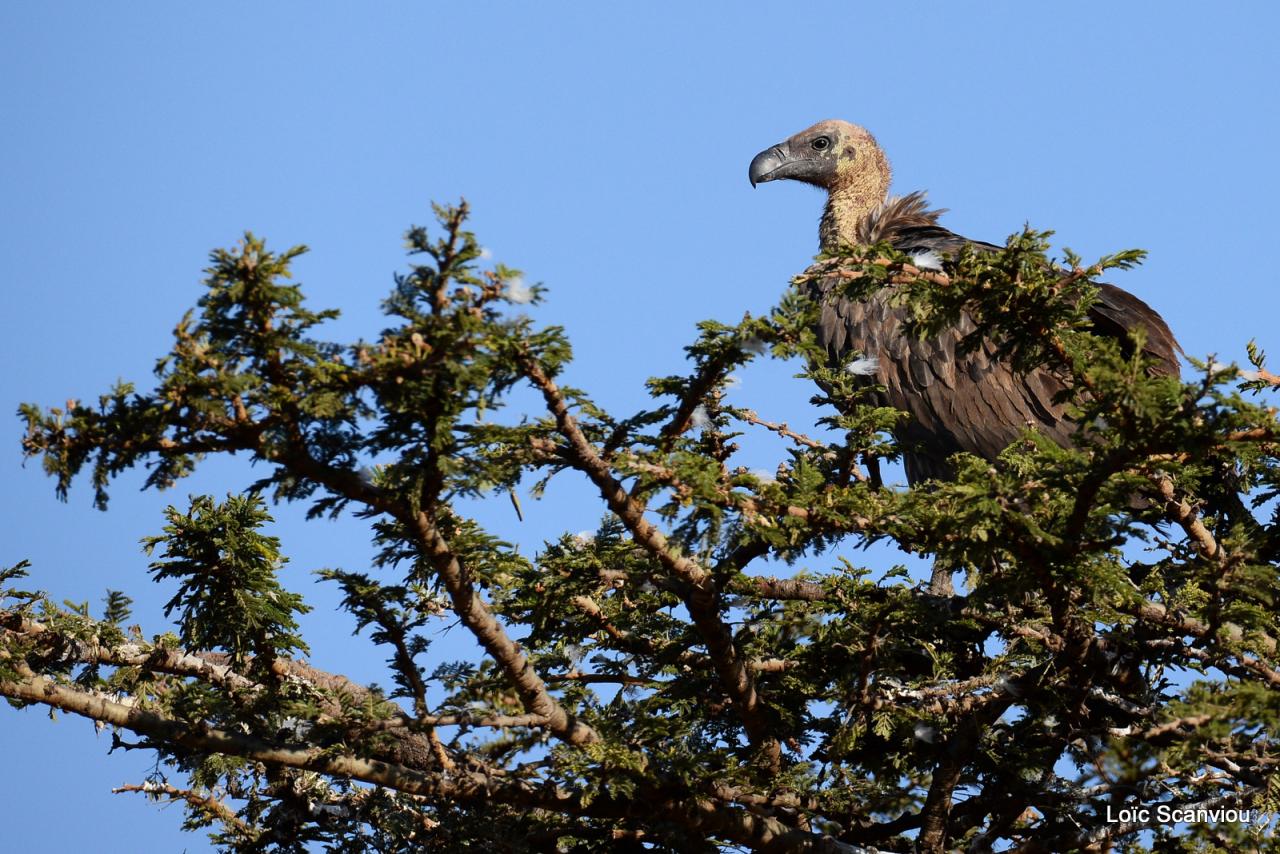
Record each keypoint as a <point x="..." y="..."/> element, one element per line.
<point x="766" y="165"/>
<point x="779" y="161"/>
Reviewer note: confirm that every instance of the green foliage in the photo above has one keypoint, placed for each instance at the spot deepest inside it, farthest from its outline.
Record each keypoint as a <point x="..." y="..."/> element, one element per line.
<point x="117" y="608"/>
<point x="228" y="598"/>
<point x="648" y="686"/>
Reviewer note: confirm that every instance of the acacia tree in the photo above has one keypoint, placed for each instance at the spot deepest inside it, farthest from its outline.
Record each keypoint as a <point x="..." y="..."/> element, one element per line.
<point x="650" y="687"/>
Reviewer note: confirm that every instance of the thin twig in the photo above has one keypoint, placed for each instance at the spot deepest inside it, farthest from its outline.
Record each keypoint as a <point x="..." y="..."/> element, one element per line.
<point x="205" y="803"/>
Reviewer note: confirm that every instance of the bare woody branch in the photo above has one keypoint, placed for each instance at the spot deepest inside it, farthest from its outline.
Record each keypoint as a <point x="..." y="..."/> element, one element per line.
<point x="476" y="615"/>
<point x="1183" y="513"/>
<point x="751" y="417"/>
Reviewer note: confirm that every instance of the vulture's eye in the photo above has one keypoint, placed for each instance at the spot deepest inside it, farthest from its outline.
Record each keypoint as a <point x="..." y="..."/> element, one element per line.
<point x="821" y="144"/>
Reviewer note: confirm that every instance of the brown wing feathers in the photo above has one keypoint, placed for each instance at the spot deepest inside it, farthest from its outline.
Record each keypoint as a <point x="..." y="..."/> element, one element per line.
<point x="972" y="402"/>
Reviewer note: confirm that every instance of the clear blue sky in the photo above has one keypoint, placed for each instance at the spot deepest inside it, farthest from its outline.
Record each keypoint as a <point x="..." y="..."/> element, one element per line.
<point x="604" y="153"/>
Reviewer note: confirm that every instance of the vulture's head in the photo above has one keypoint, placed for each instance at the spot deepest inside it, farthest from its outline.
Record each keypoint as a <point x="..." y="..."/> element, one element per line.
<point x="833" y="155"/>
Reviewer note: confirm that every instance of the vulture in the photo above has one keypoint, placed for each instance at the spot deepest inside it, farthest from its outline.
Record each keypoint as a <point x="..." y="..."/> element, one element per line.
<point x="972" y="402"/>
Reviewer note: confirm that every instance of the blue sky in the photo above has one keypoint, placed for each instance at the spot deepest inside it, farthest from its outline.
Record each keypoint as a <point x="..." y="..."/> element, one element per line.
<point x="604" y="153"/>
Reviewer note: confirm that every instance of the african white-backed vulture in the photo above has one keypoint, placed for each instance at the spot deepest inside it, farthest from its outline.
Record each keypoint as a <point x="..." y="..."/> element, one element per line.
<point x="971" y="402"/>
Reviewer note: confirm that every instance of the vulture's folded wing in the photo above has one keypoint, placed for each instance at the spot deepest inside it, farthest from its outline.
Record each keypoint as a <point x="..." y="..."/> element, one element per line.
<point x="1114" y="314"/>
<point x="1117" y="312"/>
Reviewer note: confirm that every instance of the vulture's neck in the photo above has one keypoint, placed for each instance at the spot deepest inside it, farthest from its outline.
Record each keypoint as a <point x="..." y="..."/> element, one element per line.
<point x="861" y="187"/>
<point x="847" y="208"/>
